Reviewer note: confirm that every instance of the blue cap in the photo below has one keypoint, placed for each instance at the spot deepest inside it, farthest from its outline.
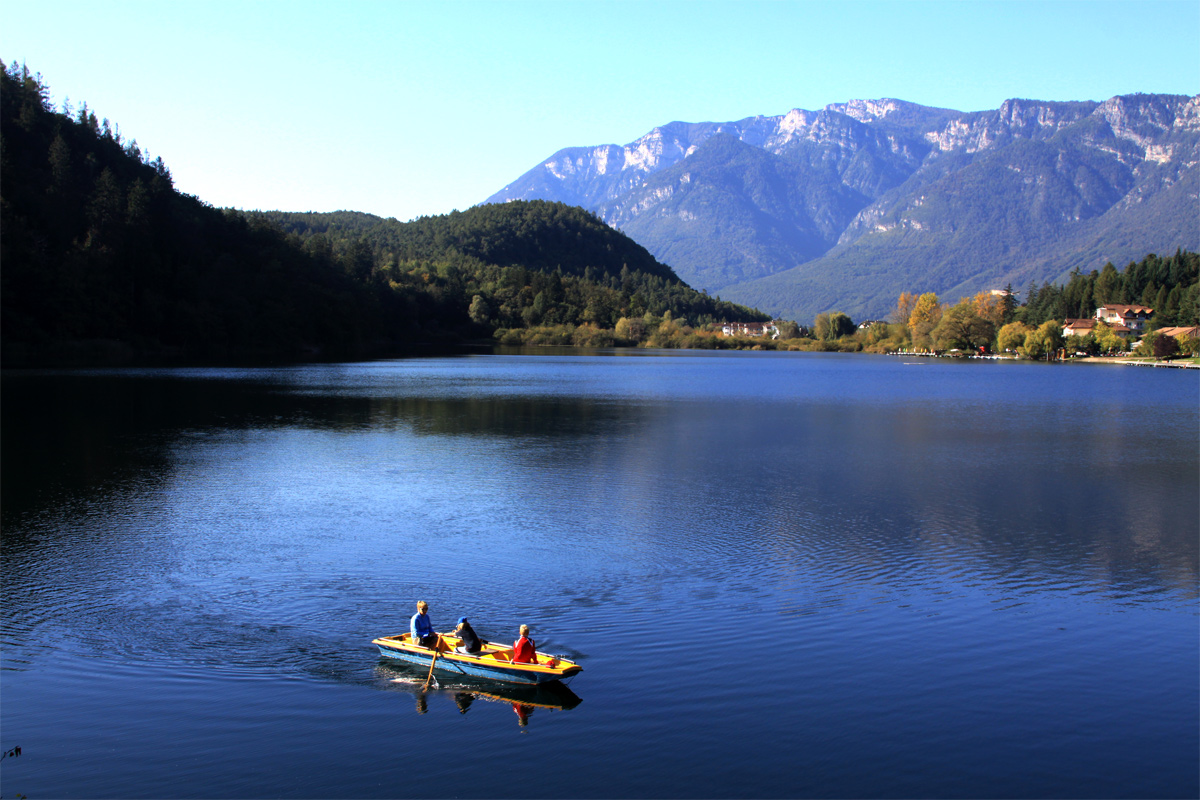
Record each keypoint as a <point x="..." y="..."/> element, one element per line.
<point x="461" y="620"/>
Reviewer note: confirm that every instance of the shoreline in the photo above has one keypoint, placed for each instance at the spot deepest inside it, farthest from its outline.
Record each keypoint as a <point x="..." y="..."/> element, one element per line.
<point x="1177" y="364"/>
<point x="1123" y="361"/>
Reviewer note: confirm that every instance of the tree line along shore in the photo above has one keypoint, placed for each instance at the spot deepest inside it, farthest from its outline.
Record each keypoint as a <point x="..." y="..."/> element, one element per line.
<point x="1052" y="322"/>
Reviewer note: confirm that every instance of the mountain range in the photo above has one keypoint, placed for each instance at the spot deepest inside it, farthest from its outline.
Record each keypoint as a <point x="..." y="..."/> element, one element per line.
<point x="846" y="207"/>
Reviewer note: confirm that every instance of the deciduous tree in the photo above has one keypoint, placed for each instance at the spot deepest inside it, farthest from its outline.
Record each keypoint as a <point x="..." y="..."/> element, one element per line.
<point x="1045" y="340"/>
<point x="990" y="307"/>
<point x="788" y="329"/>
<point x="1012" y="336"/>
<point x="832" y="325"/>
<point x="926" y="314"/>
<point x="961" y="327"/>
<point x="1106" y="340"/>
<point x="904" y="308"/>
<point x="1164" y="346"/>
<point x="479" y="310"/>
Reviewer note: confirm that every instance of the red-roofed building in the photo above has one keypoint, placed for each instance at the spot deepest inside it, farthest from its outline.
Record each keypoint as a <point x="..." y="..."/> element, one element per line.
<point x="1189" y="331"/>
<point x="1078" y="327"/>
<point x="1131" y="318"/>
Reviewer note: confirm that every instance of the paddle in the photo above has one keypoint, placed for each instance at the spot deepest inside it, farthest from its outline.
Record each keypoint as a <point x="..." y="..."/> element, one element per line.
<point x="436" y="650"/>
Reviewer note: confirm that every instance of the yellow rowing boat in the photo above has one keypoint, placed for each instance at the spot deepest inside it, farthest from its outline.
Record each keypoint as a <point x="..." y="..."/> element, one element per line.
<point x="493" y="661"/>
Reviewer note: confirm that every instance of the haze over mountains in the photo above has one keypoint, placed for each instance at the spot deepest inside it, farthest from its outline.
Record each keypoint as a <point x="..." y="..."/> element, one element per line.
<point x="846" y="207"/>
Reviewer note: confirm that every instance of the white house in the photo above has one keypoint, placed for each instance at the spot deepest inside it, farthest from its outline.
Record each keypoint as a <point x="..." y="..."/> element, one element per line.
<point x="749" y="329"/>
<point x="1131" y="318"/>
<point x="1078" y="327"/>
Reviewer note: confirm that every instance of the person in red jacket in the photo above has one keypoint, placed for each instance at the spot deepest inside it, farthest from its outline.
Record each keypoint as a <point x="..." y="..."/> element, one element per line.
<point x="524" y="650"/>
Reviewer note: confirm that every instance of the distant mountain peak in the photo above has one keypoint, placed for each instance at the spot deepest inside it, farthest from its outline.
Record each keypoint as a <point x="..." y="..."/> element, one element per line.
<point x="1028" y="190"/>
<point x="868" y="110"/>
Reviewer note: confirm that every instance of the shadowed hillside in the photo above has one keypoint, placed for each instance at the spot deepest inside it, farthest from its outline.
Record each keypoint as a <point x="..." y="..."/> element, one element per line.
<point x="105" y="262"/>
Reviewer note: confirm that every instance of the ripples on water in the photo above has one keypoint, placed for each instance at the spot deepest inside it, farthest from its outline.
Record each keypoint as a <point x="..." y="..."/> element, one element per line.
<point x="813" y="576"/>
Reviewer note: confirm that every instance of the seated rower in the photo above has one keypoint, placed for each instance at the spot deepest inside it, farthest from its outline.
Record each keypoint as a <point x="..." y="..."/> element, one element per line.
<point x="524" y="650"/>
<point x="421" y="628"/>
<point x="470" y="641"/>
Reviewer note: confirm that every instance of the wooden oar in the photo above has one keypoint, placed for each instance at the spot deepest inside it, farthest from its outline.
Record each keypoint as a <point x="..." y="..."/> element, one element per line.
<point x="436" y="649"/>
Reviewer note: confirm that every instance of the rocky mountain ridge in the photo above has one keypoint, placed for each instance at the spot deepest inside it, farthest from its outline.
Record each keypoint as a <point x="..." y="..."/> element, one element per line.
<point x="810" y="210"/>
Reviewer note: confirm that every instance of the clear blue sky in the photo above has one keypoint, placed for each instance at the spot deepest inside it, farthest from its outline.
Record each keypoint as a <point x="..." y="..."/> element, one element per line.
<point x="413" y="108"/>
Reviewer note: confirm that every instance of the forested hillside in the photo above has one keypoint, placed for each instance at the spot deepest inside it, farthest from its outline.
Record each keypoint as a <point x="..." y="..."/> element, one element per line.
<point x="1170" y="285"/>
<point x="548" y="237"/>
<point x="518" y="265"/>
<point x="103" y="260"/>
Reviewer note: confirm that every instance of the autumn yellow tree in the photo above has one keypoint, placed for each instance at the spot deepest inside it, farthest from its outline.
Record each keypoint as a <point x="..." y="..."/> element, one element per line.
<point x="1106" y="339"/>
<point x="990" y="307"/>
<point x="1012" y="336"/>
<point x="1044" y="341"/>
<point x="926" y="314"/>
<point x="904" y="308"/>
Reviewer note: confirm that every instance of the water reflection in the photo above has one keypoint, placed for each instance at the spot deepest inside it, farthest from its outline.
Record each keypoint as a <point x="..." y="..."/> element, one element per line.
<point x="463" y="700"/>
<point x="465" y="692"/>
<point x="79" y="434"/>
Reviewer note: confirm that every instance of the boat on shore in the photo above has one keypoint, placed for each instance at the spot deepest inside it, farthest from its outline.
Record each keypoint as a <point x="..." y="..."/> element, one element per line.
<point x="494" y="661"/>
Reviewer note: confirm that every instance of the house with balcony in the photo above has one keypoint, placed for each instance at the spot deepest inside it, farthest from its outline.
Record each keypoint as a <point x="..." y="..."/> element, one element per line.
<point x="1125" y="320"/>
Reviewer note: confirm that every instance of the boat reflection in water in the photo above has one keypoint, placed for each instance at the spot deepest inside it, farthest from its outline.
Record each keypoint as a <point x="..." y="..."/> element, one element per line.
<point x="465" y="691"/>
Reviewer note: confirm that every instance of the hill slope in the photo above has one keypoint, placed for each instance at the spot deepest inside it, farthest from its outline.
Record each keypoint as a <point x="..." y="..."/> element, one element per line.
<point x="508" y="255"/>
<point x="103" y="261"/>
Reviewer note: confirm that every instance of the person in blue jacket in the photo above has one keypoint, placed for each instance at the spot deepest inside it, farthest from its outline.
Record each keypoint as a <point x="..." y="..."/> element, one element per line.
<point x="421" y="628"/>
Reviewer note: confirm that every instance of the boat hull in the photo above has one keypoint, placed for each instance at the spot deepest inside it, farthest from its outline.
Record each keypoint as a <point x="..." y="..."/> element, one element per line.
<point x="493" y="664"/>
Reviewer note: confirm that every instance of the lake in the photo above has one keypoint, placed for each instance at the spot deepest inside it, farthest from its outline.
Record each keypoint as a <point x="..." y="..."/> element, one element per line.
<point x="785" y="575"/>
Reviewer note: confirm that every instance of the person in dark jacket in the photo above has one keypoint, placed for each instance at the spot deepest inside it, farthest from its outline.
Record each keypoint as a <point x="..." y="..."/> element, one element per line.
<point x="524" y="650"/>
<point x="470" y="641"/>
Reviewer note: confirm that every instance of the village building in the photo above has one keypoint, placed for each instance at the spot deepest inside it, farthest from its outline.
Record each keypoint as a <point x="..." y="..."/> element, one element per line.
<point x="749" y="329"/>
<point x="1125" y="320"/>
<point x="1186" y="332"/>
<point x="1078" y="327"/>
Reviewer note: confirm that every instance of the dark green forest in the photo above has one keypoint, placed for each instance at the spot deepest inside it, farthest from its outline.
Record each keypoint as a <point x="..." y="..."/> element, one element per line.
<point x="103" y="260"/>
<point x="1170" y="285"/>
<point x="516" y="265"/>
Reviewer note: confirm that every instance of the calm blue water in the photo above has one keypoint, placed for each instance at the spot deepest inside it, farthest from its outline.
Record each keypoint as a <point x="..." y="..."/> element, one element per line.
<point x="785" y="575"/>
